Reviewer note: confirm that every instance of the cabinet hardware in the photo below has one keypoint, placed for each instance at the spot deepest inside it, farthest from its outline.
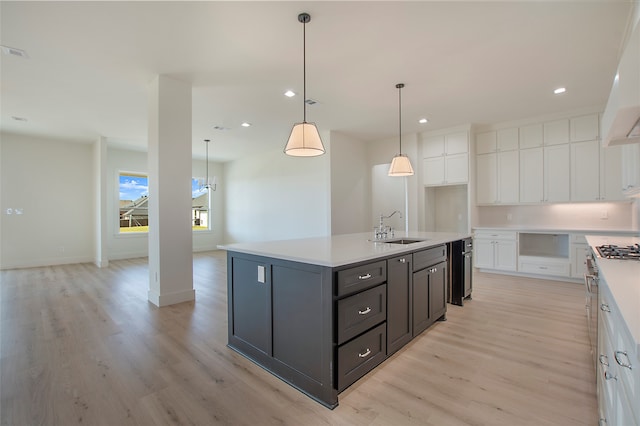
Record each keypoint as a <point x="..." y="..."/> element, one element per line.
<point x="605" y="308"/>
<point x="365" y="312"/>
<point x="602" y="422"/>
<point x="403" y="260"/>
<point x="365" y="353"/>
<point x="364" y="277"/>
<point x="618" y="355"/>
<point x="609" y="376"/>
<point x="604" y="360"/>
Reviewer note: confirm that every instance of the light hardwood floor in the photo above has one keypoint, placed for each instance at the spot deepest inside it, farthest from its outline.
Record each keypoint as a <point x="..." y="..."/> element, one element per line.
<point x="82" y="346"/>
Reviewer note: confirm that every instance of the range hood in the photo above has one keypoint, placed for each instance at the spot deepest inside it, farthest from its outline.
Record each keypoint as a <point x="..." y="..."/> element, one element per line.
<point x="621" y="118"/>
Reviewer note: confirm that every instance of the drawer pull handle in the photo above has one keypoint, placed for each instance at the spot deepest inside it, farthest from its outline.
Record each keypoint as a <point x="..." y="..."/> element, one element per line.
<point x="609" y="376"/>
<point x="364" y="277"/>
<point x="605" y="308"/>
<point x="403" y="260"/>
<point x="365" y="312"/>
<point x="365" y="353"/>
<point x="604" y="360"/>
<point x="618" y="356"/>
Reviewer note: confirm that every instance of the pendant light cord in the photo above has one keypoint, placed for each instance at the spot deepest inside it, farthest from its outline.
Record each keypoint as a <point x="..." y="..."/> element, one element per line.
<point x="304" y="71"/>
<point x="400" y="86"/>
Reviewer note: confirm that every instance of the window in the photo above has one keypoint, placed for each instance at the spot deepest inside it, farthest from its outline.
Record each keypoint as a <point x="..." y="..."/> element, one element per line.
<point x="134" y="204"/>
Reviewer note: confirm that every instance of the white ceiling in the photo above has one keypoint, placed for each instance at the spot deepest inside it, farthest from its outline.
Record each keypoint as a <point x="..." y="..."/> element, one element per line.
<point x="90" y="64"/>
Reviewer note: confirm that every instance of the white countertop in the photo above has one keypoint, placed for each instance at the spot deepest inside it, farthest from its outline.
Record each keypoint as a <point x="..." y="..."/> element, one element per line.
<point x="623" y="279"/>
<point x="339" y="250"/>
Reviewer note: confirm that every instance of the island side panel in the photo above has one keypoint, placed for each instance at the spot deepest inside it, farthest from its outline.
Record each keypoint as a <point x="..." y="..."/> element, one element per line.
<point x="300" y="328"/>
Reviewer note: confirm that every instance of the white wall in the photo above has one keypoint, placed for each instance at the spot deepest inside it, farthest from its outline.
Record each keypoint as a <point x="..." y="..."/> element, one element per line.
<point x="350" y="185"/>
<point x="52" y="182"/>
<point x="272" y="196"/>
<point x="125" y="246"/>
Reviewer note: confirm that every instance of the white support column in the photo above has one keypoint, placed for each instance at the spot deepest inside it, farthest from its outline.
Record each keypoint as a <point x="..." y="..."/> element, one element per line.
<point x="170" y="234"/>
<point x="100" y="185"/>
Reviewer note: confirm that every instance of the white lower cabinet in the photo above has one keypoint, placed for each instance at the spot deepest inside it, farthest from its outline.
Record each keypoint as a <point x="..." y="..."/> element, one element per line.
<point x="579" y="252"/>
<point x="495" y="250"/>
<point x="618" y="371"/>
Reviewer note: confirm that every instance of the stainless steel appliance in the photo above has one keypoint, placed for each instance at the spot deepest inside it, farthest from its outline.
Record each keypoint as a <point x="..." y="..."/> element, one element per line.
<point x="620" y="252"/>
<point x="460" y="272"/>
<point x="591" y="306"/>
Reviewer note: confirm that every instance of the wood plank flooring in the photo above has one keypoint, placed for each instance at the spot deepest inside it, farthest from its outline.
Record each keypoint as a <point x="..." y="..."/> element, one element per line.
<point x="82" y="346"/>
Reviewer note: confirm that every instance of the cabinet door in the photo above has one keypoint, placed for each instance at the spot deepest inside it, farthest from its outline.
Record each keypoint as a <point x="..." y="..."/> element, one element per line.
<point x="456" y="168"/>
<point x="433" y="146"/>
<point x="611" y="173"/>
<point x="437" y="291"/>
<point x="585" y="171"/>
<point x="483" y="253"/>
<point x="556" y="132"/>
<point x="486" y="142"/>
<point x="531" y="175"/>
<point x="556" y="173"/>
<point x="251" y="314"/>
<point x="486" y="184"/>
<point x="508" y="177"/>
<point x="507" y="139"/>
<point x="399" y="302"/>
<point x="456" y="143"/>
<point x="505" y="255"/>
<point x="420" y="299"/>
<point x="584" y="128"/>
<point x="433" y="171"/>
<point x="630" y="168"/>
<point x="579" y="253"/>
<point x="531" y="136"/>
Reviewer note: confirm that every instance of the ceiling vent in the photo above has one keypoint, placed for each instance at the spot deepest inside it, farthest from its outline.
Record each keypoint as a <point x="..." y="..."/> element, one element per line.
<point x="14" y="51"/>
<point x="220" y="128"/>
<point x="310" y="101"/>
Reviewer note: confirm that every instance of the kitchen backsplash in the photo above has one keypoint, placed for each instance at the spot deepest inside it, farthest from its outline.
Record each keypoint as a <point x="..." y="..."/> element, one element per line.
<point x="605" y="216"/>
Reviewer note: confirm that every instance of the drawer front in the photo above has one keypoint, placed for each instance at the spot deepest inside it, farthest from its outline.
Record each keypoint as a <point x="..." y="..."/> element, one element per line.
<point x="496" y="235"/>
<point x="361" y="277"/>
<point x="361" y="355"/>
<point x="558" y="270"/>
<point x="624" y="356"/>
<point x="429" y="257"/>
<point x="360" y="312"/>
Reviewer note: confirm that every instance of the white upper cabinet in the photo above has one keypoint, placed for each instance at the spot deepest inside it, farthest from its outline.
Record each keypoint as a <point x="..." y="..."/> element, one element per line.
<point x="556" y="132"/>
<point x="584" y="128"/>
<point x="497" y="178"/>
<point x="433" y="146"/>
<point x="557" y="186"/>
<point x="486" y="179"/>
<point x="611" y="173"/>
<point x="486" y="142"/>
<point x="585" y="175"/>
<point x="456" y="143"/>
<point x="631" y="169"/>
<point x="531" y="136"/>
<point x="446" y="159"/>
<point x="531" y="175"/>
<point x="507" y="139"/>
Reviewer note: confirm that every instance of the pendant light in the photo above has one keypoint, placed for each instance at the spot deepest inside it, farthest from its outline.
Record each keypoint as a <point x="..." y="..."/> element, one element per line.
<point x="304" y="140"/>
<point x="400" y="165"/>
<point x="207" y="183"/>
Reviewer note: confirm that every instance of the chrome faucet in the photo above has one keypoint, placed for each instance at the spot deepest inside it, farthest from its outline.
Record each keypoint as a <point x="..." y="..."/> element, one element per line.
<point x="384" y="231"/>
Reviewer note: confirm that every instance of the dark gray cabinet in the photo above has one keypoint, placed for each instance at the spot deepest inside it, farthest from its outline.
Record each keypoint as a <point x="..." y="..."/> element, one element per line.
<point x="399" y="302"/>
<point x="322" y="328"/>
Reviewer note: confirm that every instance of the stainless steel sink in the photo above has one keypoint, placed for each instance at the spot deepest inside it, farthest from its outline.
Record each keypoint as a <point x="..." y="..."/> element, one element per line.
<point x="403" y="241"/>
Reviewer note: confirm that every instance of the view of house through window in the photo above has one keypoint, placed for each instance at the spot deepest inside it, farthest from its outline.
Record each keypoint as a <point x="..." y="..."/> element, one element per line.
<point x="134" y="200"/>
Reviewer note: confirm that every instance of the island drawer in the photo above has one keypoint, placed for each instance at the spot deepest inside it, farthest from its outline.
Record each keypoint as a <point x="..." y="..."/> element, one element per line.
<point x="361" y="277"/>
<point x="361" y="311"/>
<point x="429" y="257"/>
<point x="361" y="355"/>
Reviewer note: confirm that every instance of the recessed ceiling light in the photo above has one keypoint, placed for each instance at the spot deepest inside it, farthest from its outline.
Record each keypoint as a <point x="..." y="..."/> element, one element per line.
<point x="423" y="121"/>
<point x="18" y="118"/>
<point x="245" y="124"/>
<point x="289" y="94"/>
<point x="560" y="90"/>
<point x="14" y="51"/>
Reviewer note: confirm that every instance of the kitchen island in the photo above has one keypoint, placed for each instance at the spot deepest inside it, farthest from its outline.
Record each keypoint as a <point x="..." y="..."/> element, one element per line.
<point x="322" y="312"/>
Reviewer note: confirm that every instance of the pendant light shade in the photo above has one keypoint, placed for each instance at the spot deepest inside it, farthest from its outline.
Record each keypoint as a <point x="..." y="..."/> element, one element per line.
<point x="400" y="165"/>
<point x="304" y="140"/>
